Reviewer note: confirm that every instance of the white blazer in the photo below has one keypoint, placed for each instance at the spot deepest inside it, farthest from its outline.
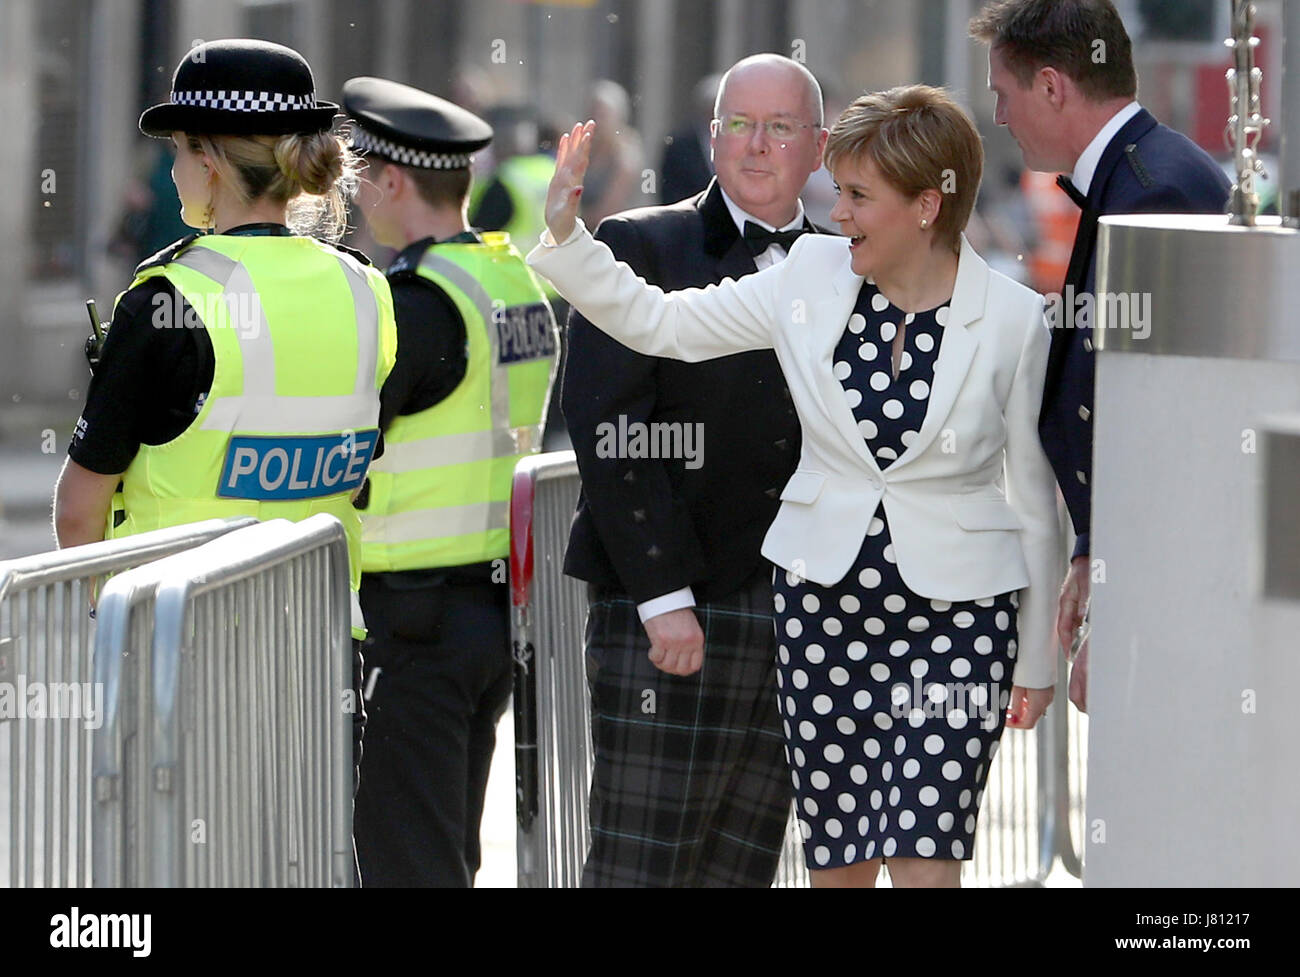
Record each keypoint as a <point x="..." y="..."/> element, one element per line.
<point x="971" y="502"/>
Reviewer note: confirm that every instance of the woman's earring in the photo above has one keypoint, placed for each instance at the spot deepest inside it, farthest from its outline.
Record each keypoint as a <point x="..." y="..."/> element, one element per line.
<point x="924" y="223"/>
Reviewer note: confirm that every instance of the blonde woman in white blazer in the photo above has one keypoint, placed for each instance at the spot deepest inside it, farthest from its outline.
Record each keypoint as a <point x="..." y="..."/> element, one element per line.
<point x="917" y="541"/>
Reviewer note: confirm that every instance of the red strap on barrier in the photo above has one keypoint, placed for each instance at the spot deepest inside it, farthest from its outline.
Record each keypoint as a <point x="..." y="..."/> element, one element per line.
<point x="521" y="536"/>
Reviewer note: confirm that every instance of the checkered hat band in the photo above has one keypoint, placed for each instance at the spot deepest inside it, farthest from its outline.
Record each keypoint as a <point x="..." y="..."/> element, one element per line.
<point x="237" y="101"/>
<point x="367" y="142"/>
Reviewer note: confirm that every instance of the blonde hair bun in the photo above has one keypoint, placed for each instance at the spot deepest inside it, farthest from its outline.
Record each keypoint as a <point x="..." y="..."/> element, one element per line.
<point x="312" y="161"/>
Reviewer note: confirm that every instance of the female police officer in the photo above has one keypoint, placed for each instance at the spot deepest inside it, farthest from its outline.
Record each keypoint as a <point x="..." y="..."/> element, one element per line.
<point x="242" y="370"/>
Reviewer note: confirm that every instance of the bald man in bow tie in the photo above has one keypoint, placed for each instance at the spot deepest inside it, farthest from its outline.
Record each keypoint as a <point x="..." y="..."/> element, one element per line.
<point x="690" y="785"/>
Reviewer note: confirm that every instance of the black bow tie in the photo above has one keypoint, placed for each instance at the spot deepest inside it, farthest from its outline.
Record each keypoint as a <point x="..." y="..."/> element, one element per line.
<point x="1073" y="192"/>
<point x="759" y="239"/>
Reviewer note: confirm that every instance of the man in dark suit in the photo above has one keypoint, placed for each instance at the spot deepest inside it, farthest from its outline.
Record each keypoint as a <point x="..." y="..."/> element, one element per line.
<point x="690" y="785"/>
<point x="1066" y="89"/>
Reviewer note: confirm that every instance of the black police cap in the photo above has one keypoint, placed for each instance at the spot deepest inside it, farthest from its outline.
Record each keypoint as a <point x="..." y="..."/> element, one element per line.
<point x="413" y="128"/>
<point x="240" y="86"/>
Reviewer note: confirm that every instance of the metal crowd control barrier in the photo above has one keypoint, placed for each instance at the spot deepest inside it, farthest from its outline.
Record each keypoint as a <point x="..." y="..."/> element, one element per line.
<point x="1025" y="806"/>
<point x="1070" y="756"/>
<point x="552" y="725"/>
<point x="225" y="758"/>
<point x="45" y="663"/>
<point x="1076" y="785"/>
<point x="1015" y="842"/>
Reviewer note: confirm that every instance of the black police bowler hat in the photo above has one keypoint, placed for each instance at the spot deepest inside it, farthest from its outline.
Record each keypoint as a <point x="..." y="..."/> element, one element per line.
<point x="240" y="87"/>
<point x="412" y="127"/>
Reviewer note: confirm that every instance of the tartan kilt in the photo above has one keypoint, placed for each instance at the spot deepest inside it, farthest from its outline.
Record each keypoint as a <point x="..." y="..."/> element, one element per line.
<point x="690" y="785"/>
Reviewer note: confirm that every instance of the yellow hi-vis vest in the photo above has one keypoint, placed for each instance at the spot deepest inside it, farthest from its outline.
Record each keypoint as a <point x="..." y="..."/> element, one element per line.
<point x="526" y="179"/>
<point x="303" y="337"/>
<point x="440" y="495"/>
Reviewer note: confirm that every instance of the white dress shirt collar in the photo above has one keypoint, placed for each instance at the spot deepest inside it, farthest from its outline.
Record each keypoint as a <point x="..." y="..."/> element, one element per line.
<point x="1086" y="167"/>
<point x="739" y="216"/>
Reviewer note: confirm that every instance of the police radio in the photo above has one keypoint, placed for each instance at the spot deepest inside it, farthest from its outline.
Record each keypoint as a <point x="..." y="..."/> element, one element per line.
<point x="95" y="341"/>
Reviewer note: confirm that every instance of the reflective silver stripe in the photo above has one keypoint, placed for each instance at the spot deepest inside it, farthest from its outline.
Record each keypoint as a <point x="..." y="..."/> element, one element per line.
<point x="498" y="377"/>
<point x="205" y="261"/>
<point x="294" y="415"/>
<point x="354" y="604"/>
<point x="367" y="306"/>
<point x="447" y="449"/>
<point x="421" y="524"/>
<point x="257" y="349"/>
<point x="259" y="408"/>
<point x="255" y="345"/>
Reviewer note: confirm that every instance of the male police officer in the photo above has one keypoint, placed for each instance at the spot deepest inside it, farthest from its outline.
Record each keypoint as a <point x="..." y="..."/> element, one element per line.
<point x="476" y="357"/>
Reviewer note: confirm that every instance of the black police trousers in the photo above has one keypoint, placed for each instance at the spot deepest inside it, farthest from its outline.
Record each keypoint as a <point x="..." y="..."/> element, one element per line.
<point x="437" y="678"/>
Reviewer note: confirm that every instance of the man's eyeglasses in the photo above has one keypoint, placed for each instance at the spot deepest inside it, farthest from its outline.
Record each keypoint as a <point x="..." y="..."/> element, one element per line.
<point x="738" y="127"/>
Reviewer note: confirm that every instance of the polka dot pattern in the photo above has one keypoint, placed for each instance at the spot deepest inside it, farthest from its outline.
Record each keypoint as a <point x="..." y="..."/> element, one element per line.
<point x="889" y="700"/>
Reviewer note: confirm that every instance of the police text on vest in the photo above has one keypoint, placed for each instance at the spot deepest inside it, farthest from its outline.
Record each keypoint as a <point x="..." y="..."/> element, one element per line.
<point x="524" y="332"/>
<point x="283" y="469"/>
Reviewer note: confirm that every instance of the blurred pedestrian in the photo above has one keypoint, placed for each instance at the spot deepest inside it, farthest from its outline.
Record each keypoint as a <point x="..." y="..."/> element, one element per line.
<point x="151" y="213"/>
<point x="617" y="156"/>
<point x="819" y="196"/>
<point x="514" y="197"/>
<point x="1055" y="222"/>
<point x="687" y="164"/>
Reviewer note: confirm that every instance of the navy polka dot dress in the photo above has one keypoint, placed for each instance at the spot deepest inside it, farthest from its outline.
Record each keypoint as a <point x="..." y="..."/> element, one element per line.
<point x="892" y="704"/>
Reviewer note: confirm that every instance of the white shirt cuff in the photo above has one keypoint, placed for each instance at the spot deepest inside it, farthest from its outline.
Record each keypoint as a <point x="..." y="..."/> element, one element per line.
<point x="668" y="602"/>
<point x="547" y="240"/>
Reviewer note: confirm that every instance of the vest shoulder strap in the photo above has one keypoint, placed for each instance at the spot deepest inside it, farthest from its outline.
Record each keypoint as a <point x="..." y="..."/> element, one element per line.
<point x="407" y="267"/>
<point x="168" y="253"/>
<point x="359" y="255"/>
